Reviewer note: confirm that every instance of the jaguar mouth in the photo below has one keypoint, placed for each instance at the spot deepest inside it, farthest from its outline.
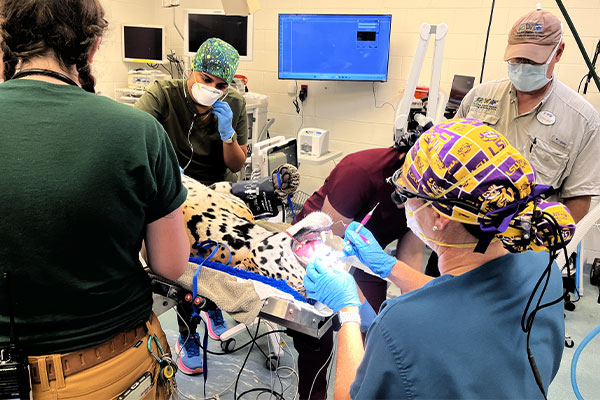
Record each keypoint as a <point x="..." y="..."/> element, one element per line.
<point x="313" y="244"/>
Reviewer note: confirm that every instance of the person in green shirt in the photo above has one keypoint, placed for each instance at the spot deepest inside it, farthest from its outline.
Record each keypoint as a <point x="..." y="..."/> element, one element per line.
<point x="85" y="180"/>
<point x="207" y="125"/>
<point x="206" y="122"/>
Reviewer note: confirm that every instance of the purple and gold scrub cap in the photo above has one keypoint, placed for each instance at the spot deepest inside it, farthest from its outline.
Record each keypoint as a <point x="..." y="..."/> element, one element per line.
<point x="467" y="160"/>
<point x="218" y="58"/>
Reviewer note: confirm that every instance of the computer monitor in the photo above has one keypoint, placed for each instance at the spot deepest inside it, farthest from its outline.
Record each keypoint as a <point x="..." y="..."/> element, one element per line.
<point x="461" y="85"/>
<point x="143" y="43"/>
<point x="205" y="24"/>
<point x="348" y="47"/>
<point x="284" y="153"/>
<point x="271" y="153"/>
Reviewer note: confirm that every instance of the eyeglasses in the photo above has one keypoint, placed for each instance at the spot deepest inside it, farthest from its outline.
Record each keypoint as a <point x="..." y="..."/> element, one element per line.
<point x="402" y="194"/>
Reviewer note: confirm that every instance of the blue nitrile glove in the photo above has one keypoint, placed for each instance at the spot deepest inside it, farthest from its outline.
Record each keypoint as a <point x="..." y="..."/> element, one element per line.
<point x="333" y="287"/>
<point x="225" y="119"/>
<point x="371" y="254"/>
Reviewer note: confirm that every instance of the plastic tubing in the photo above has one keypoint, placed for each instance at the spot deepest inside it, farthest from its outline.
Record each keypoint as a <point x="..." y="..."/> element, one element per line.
<point x="583" y="343"/>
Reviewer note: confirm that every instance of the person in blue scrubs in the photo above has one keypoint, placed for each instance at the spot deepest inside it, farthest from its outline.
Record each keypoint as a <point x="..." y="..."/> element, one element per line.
<point x="471" y="197"/>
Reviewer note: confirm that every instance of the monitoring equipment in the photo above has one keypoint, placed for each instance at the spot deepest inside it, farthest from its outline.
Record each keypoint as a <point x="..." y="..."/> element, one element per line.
<point x="313" y="142"/>
<point x="271" y="153"/>
<point x="334" y="46"/>
<point x="256" y="109"/>
<point x="143" y="44"/>
<point x="141" y="79"/>
<point x="461" y="85"/>
<point x="205" y="24"/>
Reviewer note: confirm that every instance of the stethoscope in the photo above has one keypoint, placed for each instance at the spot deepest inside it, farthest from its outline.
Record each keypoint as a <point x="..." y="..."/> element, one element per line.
<point x="196" y="115"/>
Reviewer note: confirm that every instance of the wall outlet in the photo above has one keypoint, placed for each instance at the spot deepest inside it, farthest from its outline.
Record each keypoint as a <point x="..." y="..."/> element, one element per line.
<point x="303" y="92"/>
<point x="170" y="3"/>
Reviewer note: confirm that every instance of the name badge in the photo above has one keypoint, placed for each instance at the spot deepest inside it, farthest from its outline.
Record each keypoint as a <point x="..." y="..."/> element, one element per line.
<point x="546" y="118"/>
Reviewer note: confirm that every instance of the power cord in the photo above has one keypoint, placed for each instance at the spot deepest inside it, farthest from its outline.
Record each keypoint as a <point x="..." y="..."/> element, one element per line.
<point x="527" y="320"/>
<point x="295" y="100"/>
<point x="383" y="104"/>
<point x="320" y="369"/>
<point x="174" y="62"/>
<point x="235" y="381"/>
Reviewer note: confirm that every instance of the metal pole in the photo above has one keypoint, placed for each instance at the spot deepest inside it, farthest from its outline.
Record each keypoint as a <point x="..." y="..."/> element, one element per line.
<point x="579" y="43"/>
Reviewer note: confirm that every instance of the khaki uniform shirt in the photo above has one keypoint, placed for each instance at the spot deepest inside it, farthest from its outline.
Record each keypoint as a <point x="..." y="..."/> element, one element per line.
<point x="560" y="136"/>
<point x="170" y="103"/>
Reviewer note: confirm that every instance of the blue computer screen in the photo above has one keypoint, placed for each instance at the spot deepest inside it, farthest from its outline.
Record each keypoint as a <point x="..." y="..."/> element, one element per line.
<point x="334" y="47"/>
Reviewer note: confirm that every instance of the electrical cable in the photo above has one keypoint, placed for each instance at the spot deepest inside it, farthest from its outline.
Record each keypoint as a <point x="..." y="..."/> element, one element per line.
<point x="527" y="321"/>
<point x="487" y="36"/>
<point x="235" y="396"/>
<point x="292" y="369"/>
<point x="302" y="118"/>
<point x="580" y="82"/>
<point x="319" y="371"/>
<point x="331" y="368"/>
<point x="267" y="358"/>
<point x="176" y="27"/>
<point x="589" y="74"/>
<point x="575" y="359"/>
<point x="295" y="100"/>
<point x="384" y="103"/>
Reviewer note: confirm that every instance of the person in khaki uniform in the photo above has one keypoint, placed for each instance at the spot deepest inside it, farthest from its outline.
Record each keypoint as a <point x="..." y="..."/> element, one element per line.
<point x="554" y="127"/>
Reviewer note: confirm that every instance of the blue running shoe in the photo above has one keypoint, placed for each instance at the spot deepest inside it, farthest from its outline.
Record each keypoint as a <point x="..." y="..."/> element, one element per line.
<point x="190" y="354"/>
<point x="215" y="323"/>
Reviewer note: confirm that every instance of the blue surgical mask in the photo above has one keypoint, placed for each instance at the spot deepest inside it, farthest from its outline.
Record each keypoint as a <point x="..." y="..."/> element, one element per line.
<point x="529" y="77"/>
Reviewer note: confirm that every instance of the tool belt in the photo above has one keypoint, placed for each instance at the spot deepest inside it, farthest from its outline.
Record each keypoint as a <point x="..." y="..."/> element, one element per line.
<point x="81" y="360"/>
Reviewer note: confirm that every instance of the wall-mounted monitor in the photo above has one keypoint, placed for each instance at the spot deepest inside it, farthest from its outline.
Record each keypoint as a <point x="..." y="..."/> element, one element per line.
<point x="348" y="47"/>
<point x="143" y="43"/>
<point x="205" y="24"/>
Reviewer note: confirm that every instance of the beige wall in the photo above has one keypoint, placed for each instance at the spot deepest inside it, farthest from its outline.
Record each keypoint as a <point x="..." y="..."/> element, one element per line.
<point x="109" y="69"/>
<point x="347" y="108"/>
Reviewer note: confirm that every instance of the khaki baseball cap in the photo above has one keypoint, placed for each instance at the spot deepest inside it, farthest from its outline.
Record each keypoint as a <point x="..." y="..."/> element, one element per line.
<point x="534" y="36"/>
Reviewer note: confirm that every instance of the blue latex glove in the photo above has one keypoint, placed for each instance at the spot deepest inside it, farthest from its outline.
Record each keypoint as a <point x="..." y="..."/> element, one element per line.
<point x="333" y="287"/>
<point x="225" y="119"/>
<point x="371" y="254"/>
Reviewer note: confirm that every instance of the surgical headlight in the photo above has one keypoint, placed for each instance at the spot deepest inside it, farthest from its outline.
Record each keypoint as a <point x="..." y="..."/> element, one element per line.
<point x="402" y="194"/>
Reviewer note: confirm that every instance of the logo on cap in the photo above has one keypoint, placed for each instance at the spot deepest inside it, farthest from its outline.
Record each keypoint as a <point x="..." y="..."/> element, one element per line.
<point x="530" y="29"/>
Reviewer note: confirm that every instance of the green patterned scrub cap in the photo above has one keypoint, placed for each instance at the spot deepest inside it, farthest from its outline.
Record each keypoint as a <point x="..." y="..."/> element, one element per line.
<point x="218" y="58"/>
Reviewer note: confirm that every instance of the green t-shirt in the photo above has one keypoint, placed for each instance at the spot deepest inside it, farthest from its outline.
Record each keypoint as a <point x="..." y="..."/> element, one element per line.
<point x="82" y="175"/>
<point x="170" y="103"/>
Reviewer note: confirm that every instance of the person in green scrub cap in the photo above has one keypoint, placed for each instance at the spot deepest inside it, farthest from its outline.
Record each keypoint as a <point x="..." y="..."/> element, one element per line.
<point x="207" y="125"/>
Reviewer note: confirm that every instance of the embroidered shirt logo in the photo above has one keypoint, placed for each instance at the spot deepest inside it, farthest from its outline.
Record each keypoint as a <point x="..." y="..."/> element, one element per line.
<point x="486" y="103"/>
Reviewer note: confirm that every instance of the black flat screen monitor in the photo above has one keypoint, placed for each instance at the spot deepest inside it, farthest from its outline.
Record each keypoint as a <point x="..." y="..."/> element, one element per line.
<point x="334" y="47"/>
<point x="144" y="44"/>
<point x="205" y="24"/>
<point x="286" y="153"/>
<point x="461" y="85"/>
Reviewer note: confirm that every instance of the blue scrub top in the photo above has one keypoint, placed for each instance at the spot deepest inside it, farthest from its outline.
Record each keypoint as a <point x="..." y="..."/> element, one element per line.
<point x="460" y="337"/>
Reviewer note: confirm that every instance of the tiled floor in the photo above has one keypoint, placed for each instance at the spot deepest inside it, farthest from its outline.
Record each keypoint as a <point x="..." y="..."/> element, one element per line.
<point x="223" y="369"/>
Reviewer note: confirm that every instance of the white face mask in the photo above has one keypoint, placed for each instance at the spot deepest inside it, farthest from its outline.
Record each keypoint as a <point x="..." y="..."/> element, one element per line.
<point x="205" y="95"/>
<point x="413" y="225"/>
<point x="528" y="77"/>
